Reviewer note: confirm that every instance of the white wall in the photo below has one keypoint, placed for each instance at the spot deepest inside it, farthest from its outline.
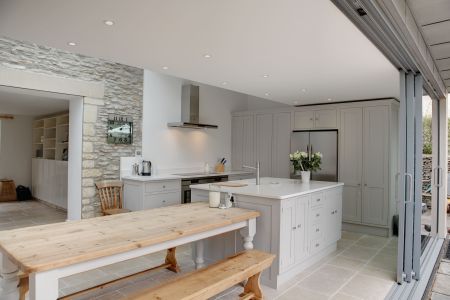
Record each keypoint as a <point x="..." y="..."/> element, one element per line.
<point x="180" y="148"/>
<point x="255" y="103"/>
<point x="16" y="149"/>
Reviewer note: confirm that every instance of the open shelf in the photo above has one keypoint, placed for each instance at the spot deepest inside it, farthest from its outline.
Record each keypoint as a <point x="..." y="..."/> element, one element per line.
<point x="50" y="137"/>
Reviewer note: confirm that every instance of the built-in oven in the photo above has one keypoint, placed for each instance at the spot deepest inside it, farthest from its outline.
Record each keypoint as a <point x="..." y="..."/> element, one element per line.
<point x="186" y="190"/>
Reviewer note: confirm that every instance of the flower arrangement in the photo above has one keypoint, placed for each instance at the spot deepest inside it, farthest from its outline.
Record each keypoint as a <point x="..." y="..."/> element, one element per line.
<point x="303" y="162"/>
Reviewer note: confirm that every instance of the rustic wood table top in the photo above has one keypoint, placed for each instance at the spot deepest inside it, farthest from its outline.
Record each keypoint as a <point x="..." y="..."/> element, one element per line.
<point x="46" y="247"/>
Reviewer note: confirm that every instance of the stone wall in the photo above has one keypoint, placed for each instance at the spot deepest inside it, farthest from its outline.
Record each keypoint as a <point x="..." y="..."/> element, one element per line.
<point x="123" y="96"/>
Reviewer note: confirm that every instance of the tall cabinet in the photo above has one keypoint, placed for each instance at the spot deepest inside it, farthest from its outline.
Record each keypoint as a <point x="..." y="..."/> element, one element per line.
<point x="367" y="136"/>
<point x="263" y="137"/>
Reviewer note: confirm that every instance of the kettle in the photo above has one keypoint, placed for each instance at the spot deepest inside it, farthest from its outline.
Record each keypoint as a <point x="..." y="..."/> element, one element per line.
<point x="146" y="168"/>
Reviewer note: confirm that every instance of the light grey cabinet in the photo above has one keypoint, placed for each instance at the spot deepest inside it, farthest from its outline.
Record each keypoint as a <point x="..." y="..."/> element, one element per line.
<point x="281" y="145"/>
<point x="364" y="164"/>
<point x="242" y="141"/>
<point x="376" y="163"/>
<point x="351" y="161"/>
<point x="264" y="138"/>
<point x="138" y="194"/>
<point x="303" y="120"/>
<point x="315" y="119"/>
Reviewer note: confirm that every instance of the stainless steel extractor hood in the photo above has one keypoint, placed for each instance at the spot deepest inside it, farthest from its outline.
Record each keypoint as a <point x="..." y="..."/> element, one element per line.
<point x="190" y="105"/>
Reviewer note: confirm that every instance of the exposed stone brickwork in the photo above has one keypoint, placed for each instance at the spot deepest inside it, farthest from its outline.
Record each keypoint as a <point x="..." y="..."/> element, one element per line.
<point x="123" y="96"/>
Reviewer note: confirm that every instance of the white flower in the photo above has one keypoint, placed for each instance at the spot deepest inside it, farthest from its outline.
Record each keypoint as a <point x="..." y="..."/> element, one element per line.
<point x="318" y="154"/>
<point x="303" y="154"/>
<point x="291" y="157"/>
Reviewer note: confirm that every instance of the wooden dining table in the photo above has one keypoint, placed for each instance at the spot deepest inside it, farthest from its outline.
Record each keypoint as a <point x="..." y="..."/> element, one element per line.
<point x="47" y="253"/>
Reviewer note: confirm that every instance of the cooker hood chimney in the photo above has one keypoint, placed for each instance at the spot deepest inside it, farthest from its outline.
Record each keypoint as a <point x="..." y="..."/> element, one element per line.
<point x="190" y="105"/>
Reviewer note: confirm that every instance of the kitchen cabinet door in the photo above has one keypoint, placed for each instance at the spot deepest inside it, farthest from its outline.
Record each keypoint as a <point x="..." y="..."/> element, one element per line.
<point x="303" y="120"/>
<point x="161" y="200"/>
<point x="351" y="162"/>
<point x="376" y="164"/>
<point x="333" y="215"/>
<point x="264" y="135"/>
<point x="287" y="234"/>
<point x="281" y="145"/>
<point x="325" y="118"/>
<point x="242" y="141"/>
<point x="301" y="237"/>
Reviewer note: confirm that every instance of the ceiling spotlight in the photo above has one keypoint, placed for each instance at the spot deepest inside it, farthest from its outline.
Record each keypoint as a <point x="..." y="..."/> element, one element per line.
<point x="165" y="67"/>
<point x="207" y="55"/>
<point x="71" y="43"/>
<point x="267" y="94"/>
<point x="108" y="22"/>
<point x="265" y="76"/>
<point x="303" y="90"/>
<point x="224" y="83"/>
<point x="329" y="99"/>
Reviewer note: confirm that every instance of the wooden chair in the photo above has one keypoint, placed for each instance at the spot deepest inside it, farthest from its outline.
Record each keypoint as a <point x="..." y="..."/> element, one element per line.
<point x="110" y="193"/>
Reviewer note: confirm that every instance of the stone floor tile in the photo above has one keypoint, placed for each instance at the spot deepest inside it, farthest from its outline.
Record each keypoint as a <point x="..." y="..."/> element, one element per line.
<point x="297" y="293"/>
<point x="437" y="296"/>
<point x="444" y="268"/>
<point x="442" y="284"/>
<point x="367" y="287"/>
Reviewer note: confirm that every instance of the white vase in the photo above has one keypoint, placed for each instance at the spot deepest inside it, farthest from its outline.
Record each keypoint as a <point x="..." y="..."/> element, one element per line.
<point x="306" y="175"/>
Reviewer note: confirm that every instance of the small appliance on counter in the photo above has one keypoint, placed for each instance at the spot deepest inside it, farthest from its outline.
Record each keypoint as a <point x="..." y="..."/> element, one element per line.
<point x="146" y="168"/>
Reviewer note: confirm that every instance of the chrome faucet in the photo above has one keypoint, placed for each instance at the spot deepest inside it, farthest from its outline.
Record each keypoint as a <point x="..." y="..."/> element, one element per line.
<point x="257" y="171"/>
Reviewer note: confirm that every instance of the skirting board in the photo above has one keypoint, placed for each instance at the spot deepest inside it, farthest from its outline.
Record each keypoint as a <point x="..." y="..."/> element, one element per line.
<point x="50" y="204"/>
<point x="379" y="231"/>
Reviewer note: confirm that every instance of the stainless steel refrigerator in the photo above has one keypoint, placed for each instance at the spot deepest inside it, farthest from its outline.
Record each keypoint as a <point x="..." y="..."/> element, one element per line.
<point x="323" y="141"/>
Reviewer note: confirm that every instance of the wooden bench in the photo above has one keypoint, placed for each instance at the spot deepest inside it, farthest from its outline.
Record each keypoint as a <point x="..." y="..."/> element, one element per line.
<point x="210" y="281"/>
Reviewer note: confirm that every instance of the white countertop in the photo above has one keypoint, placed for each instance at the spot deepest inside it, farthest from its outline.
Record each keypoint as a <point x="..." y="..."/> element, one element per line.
<point x="186" y="176"/>
<point x="275" y="188"/>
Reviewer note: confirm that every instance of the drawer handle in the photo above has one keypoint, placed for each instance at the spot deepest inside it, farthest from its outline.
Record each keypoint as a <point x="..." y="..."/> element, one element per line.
<point x="317" y="245"/>
<point x="164" y="186"/>
<point x="293" y="228"/>
<point x="317" y="230"/>
<point x="299" y="225"/>
<point x="317" y="215"/>
<point x="318" y="200"/>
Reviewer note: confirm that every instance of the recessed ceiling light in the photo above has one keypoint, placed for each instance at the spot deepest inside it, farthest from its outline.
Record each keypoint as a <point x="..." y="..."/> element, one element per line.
<point x="329" y="99"/>
<point x="165" y="67"/>
<point x="108" y="22"/>
<point x="267" y="94"/>
<point x="303" y="90"/>
<point x="207" y="55"/>
<point x="224" y="83"/>
<point x="265" y="76"/>
<point x="71" y="43"/>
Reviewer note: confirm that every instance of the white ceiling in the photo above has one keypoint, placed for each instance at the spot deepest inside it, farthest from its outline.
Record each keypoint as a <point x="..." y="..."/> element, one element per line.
<point x="434" y="18"/>
<point x="300" y="44"/>
<point x="16" y="101"/>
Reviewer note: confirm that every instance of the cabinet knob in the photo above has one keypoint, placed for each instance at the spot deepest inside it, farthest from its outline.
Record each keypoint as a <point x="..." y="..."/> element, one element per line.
<point x="332" y="212"/>
<point x="299" y="225"/>
<point x="335" y="211"/>
<point x="359" y="184"/>
<point x="318" y="200"/>
<point x="164" y="186"/>
<point x="365" y="184"/>
<point x="317" y="215"/>
<point x="164" y="201"/>
<point x="317" y="245"/>
<point x="311" y="119"/>
<point x="293" y="228"/>
<point x="317" y="229"/>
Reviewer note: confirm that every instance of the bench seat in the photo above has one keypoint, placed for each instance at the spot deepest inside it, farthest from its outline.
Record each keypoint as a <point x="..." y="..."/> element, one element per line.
<point x="210" y="281"/>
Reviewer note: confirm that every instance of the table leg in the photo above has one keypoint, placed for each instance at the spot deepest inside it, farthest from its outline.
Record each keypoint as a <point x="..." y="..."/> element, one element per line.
<point x="172" y="260"/>
<point x="43" y="286"/>
<point x="9" y="280"/>
<point x="199" y="251"/>
<point x="248" y="233"/>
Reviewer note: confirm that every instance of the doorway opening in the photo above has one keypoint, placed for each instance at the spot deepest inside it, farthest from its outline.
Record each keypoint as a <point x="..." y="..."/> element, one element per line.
<point x="35" y="156"/>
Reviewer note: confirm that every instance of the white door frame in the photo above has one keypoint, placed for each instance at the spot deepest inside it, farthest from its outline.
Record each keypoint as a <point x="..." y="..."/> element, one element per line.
<point x="76" y="90"/>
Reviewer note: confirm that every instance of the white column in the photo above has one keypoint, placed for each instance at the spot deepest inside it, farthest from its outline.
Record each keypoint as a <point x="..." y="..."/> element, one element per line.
<point x="443" y="168"/>
<point x="199" y="254"/>
<point x="44" y="286"/>
<point x="248" y="233"/>
<point x="8" y="279"/>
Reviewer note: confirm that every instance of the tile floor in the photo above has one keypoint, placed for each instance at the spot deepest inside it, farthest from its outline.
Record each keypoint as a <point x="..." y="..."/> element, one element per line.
<point x="363" y="267"/>
<point x="20" y="214"/>
<point x="441" y="284"/>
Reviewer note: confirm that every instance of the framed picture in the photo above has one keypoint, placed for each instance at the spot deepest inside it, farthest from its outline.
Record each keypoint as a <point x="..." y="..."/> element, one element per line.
<point x="120" y="130"/>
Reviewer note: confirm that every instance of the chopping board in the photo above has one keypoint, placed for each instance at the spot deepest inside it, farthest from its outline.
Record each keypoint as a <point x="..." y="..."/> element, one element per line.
<point x="231" y="184"/>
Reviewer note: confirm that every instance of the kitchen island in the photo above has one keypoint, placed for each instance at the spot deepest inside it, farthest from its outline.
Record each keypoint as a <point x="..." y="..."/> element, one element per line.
<point x="300" y="223"/>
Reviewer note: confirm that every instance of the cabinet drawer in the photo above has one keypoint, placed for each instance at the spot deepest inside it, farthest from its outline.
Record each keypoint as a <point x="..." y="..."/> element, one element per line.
<point x="316" y="231"/>
<point x="317" y="245"/>
<point x="316" y="215"/>
<point x="317" y="199"/>
<point x="161" y="199"/>
<point x="162" y="186"/>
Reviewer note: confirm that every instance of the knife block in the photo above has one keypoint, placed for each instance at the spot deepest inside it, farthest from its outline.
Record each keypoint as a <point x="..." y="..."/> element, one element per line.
<point x="219" y="168"/>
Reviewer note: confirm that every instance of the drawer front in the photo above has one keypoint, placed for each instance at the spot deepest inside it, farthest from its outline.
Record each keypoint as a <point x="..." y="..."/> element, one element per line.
<point x="317" y="245"/>
<point x="326" y="118"/>
<point x="162" y="186"/>
<point x="316" y="215"/>
<point x="317" y="199"/>
<point x="316" y="231"/>
<point x="161" y="200"/>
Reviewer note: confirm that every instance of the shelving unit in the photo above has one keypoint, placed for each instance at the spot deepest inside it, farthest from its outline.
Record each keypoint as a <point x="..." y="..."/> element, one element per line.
<point x="51" y="137"/>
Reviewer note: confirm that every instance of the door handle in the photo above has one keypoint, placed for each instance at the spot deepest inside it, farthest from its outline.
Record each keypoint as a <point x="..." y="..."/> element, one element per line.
<point x="438" y="176"/>
<point x="411" y="188"/>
